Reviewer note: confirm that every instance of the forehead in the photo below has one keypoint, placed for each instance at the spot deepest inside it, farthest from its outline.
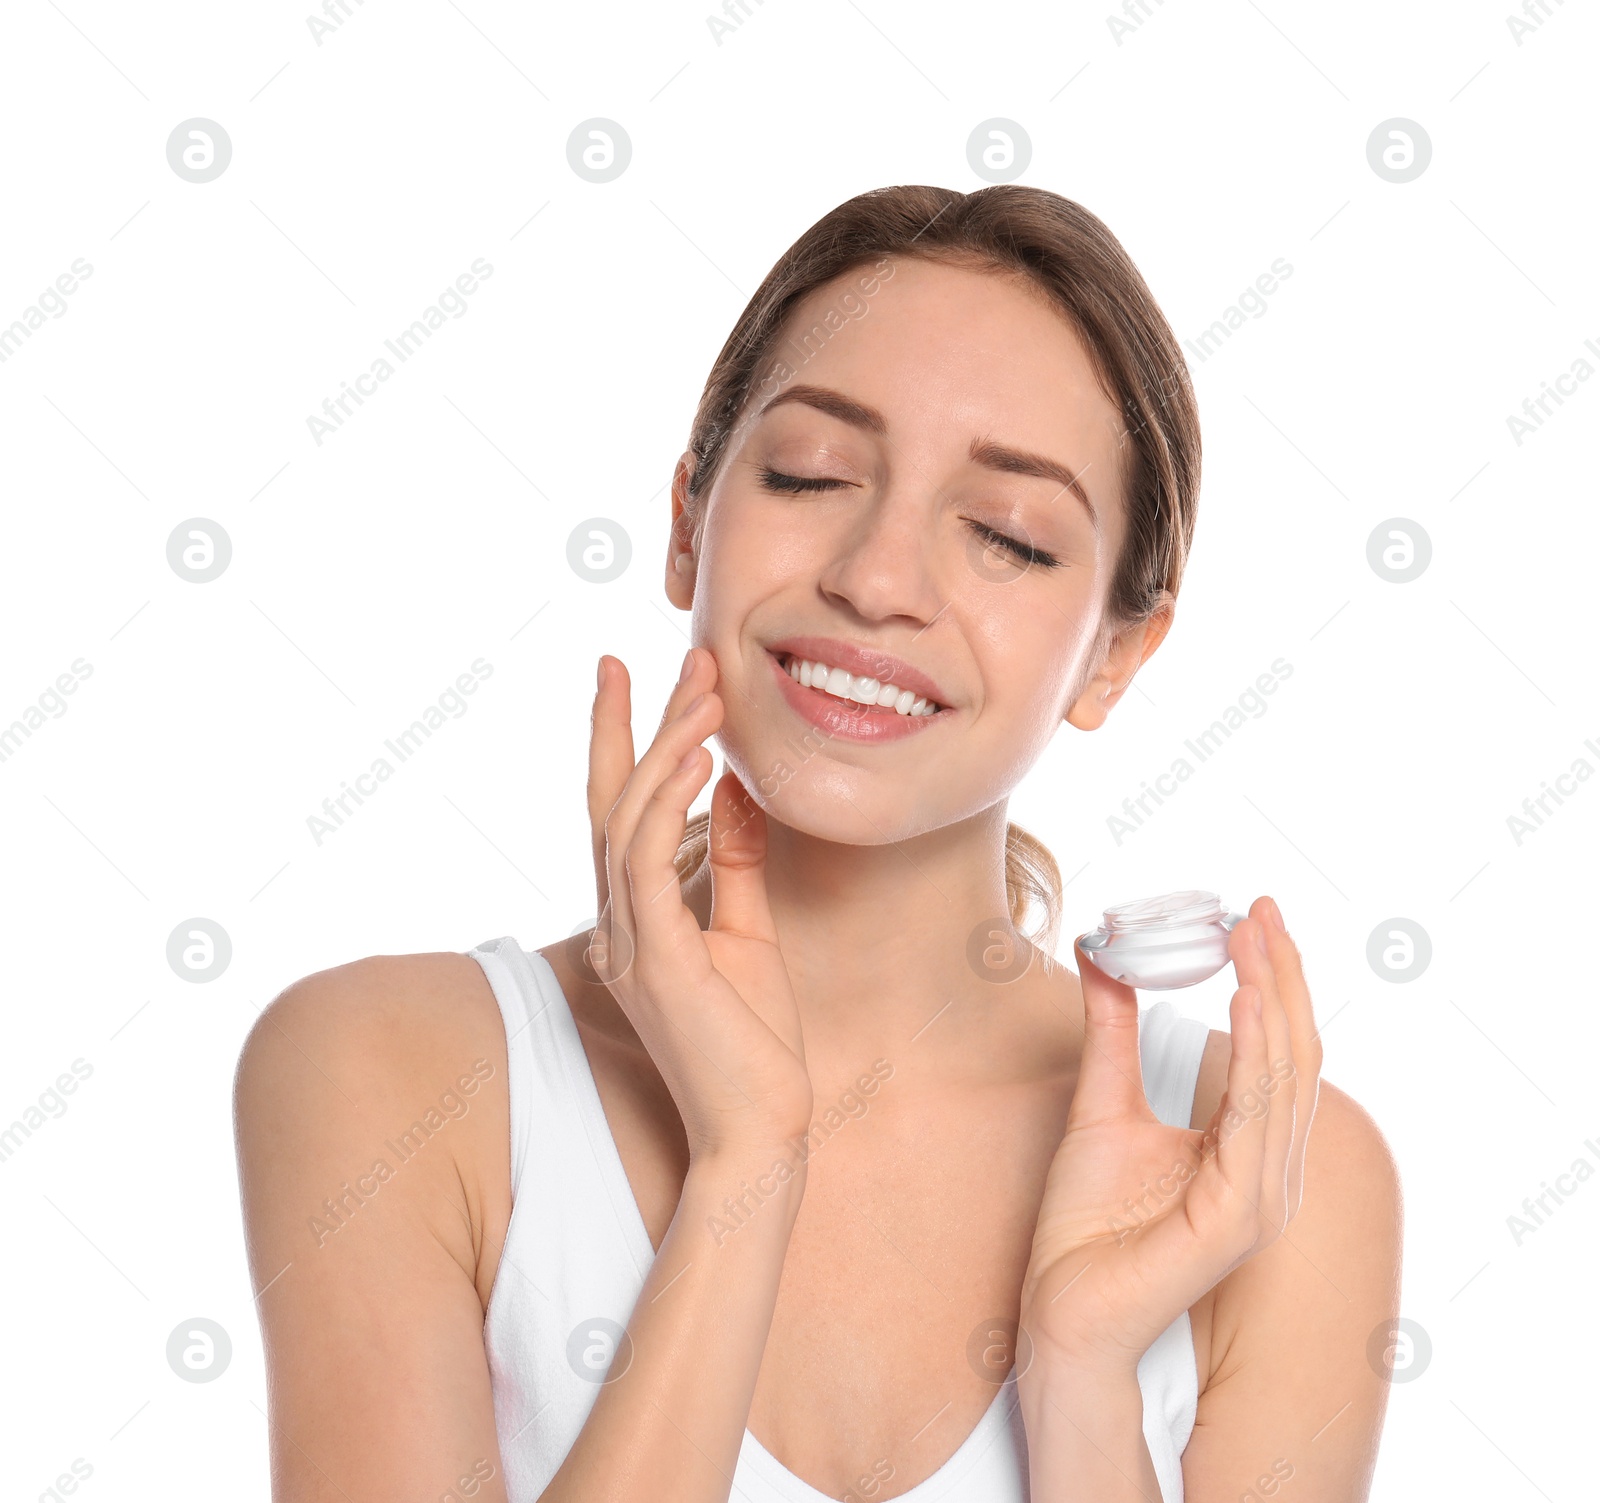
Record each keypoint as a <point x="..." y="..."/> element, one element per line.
<point x="948" y="353"/>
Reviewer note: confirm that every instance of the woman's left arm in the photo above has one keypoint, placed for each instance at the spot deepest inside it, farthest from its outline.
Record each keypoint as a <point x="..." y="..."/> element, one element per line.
<point x="1296" y="1228"/>
<point x="1302" y="1338"/>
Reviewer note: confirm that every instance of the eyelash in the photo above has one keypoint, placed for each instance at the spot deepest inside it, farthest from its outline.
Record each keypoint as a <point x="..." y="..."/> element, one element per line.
<point x="789" y="485"/>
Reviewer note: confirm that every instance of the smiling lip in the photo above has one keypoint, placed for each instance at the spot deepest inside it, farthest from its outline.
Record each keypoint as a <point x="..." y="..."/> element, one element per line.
<point x="845" y="719"/>
<point x="862" y="662"/>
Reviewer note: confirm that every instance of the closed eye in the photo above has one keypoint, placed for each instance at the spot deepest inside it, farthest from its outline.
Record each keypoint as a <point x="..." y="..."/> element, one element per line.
<point x="776" y="480"/>
<point x="1026" y="552"/>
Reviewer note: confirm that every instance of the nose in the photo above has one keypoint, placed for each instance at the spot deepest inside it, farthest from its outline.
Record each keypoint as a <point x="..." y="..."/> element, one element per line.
<point x="886" y="564"/>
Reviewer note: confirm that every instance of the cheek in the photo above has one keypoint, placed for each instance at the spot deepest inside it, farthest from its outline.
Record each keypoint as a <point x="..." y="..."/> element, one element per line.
<point x="750" y="549"/>
<point x="1031" y="650"/>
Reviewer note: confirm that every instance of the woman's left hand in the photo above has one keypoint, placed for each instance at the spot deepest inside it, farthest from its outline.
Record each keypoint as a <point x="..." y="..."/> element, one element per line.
<point x="1140" y="1219"/>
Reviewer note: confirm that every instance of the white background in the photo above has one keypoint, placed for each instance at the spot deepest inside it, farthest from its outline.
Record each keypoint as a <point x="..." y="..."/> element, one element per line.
<point x="368" y="172"/>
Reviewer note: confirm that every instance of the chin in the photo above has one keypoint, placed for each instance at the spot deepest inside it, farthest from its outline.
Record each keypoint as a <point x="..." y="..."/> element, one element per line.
<point x="799" y="785"/>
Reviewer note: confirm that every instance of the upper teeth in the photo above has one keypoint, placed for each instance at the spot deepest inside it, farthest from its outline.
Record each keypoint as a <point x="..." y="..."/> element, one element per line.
<point x="865" y="691"/>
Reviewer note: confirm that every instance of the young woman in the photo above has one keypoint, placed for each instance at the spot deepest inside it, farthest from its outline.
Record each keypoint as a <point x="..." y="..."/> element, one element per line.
<point x="809" y="1177"/>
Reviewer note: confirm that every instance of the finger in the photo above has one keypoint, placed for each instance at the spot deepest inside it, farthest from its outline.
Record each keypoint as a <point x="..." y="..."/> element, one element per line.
<point x="610" y="761"/>
<point x="664" y="923"/>
<point x="657" y="764"/>
<point x="1241" y="1156"/>
<point x="692" y="680"/>
<point x="738" y="855"/>
<point x="1305" y="1044"/>
<point x="1220" y="1212"/>
<point x="1110" y="1082"/>
<point x="1275" y="1084"/>
<point x="611" y="755"/>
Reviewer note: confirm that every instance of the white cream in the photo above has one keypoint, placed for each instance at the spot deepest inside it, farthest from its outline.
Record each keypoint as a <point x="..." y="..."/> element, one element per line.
<point x="840" y="683"/>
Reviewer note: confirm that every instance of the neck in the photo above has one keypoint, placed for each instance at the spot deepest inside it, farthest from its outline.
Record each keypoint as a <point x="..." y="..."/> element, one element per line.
<point x="879" y="939"/>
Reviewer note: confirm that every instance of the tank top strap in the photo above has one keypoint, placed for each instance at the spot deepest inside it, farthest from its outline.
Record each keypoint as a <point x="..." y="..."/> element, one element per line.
<point x="1170" y="1046"/>
<point x="520" y="1008"/>
<point x="562" y="1149"/>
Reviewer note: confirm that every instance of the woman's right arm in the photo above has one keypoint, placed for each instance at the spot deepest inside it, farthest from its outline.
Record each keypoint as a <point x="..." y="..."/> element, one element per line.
<point x="371" y="1284"/>
<point x="670" y="1427"/>
<point x="372" y="1287"/>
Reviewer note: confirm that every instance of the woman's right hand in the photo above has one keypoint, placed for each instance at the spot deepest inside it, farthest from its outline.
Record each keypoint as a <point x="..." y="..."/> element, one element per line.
<point x="715" y="1008"/>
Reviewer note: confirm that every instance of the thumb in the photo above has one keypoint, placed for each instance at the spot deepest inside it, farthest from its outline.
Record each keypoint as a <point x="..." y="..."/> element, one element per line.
<point x="737" y="851"/>
<point x="1110" y="1082"/>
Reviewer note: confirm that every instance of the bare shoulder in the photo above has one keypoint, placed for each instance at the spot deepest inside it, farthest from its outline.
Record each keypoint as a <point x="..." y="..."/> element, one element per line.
<point x="394" y="1053"/>
<point x="393" y="1005"/>
<point x="372" y="1131"/>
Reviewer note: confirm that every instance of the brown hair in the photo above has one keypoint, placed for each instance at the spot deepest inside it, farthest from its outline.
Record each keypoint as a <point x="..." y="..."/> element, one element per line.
<point x="1071" y="257"/>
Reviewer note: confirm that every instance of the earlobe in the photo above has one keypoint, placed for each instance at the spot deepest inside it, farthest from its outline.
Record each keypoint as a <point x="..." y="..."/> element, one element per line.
<point x="680" y="580"/>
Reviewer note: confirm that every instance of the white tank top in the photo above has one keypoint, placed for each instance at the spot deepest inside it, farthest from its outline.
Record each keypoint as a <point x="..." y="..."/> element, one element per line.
<point x="577" y="1253"/>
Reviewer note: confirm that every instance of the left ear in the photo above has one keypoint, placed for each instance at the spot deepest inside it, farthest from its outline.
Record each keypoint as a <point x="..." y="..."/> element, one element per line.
<point x="680" y="542"/>
<point x="1123" y="657"/>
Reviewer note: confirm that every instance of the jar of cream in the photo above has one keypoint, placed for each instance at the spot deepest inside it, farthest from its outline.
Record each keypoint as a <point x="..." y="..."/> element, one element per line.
<point x="1159" y="944"/>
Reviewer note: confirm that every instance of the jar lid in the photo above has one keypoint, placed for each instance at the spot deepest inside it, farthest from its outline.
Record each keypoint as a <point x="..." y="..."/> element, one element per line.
<point x="1157" y="944"/>
<point x="1170" y="919"/>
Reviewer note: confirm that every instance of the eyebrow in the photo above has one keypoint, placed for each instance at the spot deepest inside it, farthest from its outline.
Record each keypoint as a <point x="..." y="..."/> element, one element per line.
<point x="984" y="452"/>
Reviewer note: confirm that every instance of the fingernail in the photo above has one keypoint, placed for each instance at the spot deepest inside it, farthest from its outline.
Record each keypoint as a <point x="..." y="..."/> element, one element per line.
<point x="600" y="674"/>
<point x="693" y="703"/>
<point x="1261" y="939"/>
<point x="1256" y="1002"/>
<point x="688" y="666"/>
<point x="1275" y="915"/>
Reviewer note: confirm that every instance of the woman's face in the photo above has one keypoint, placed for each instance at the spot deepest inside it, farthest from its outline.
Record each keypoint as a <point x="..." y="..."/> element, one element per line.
<point x="857" y="519"/>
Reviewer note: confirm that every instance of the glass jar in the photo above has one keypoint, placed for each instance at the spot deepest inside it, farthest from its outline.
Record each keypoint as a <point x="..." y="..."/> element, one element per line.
<point x="1159" y="944"/>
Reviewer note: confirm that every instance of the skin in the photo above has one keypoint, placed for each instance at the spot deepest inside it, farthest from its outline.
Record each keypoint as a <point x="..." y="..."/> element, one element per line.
<point x="828" y="931"/>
